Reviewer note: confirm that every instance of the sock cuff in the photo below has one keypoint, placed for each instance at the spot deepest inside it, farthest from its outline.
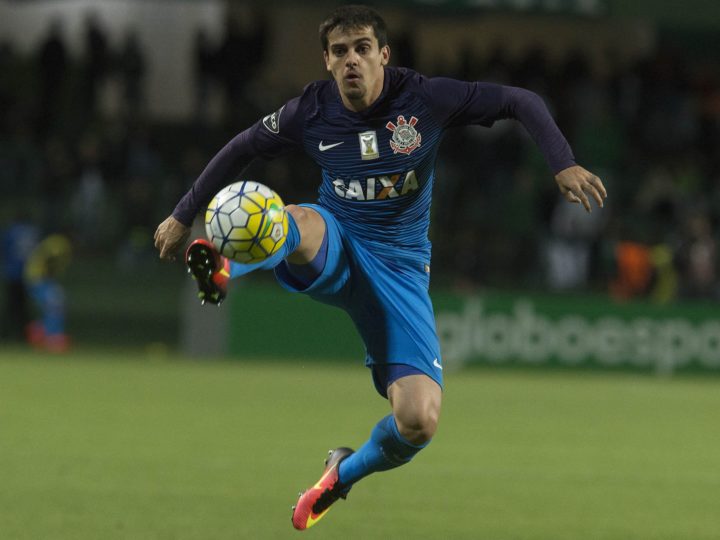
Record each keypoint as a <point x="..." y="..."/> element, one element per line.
<point x="291" y="243"/>
<point x="385" y="450"/>
<point x="396" y="433"/>
<point x="293" y="235"/>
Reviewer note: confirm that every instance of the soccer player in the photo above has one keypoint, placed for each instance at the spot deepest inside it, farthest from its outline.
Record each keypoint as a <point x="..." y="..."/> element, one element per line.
<point x="374" y="130"/>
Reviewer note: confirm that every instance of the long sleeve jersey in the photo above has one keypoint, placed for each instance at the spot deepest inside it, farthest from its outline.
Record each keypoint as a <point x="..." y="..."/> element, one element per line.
<point x="378" y="165"/>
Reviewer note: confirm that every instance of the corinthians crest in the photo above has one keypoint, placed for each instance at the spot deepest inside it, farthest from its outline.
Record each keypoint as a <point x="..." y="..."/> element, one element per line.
<point x="405" y="137"/>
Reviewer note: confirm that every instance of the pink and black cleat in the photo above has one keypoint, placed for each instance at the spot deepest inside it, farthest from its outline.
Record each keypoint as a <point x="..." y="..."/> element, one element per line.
<point x="209" y="269"/>
<point x="315" y="502"/>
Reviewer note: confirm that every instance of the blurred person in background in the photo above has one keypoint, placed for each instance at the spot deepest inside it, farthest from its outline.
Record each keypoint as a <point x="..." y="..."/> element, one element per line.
<point x="7" y="97"/>
<point x="204" y="74"/>
<point x="697" y="259"/>
<point x="96" y="63"/>
<point x="55" y="179"/>
<point x="131" y="70"/>
<point x="634" y="270"/>
<point x="53" y="63"/>
<point x="239" y="58"/>
<point x="568" y="248"/>
<point x="90" y="203"/>
<point x="19" y="239"/>
<point x="47" y="262"/>
<point x="374" y="131"/>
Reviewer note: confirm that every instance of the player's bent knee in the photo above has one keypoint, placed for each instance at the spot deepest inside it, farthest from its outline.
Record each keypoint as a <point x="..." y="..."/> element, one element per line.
<point x="418" y="429"/>
<point x="311" y="227"/>
<point x="297" y="212"/>
<point x="415" y="401"/>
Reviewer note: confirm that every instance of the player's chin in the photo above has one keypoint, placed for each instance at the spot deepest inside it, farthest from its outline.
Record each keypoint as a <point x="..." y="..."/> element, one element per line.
<point x="353" y="91"/>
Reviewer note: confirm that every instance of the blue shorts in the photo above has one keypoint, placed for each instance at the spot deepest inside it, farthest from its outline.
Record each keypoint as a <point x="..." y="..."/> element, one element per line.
<point x="386" y="297"/>
<point x="385" y="374"/>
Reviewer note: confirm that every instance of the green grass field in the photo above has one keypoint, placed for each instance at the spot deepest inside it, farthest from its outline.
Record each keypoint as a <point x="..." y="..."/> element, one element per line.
<point x="106" y="446"/>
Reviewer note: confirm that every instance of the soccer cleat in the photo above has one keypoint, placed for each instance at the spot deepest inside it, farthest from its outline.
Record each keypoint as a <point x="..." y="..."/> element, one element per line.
<point x="209" y="269"/>
<point x="314" y="503"/>
<point x="57" y="343"/>
<point x="35" y="334"/>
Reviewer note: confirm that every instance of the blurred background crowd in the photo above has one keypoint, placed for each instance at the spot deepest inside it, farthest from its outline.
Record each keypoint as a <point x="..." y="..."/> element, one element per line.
<point x="87" y="152"/>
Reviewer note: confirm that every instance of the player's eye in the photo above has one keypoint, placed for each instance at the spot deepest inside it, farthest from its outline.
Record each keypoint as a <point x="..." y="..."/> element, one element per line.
<point x="363" y="49"/>
<point x="338" y="51"/>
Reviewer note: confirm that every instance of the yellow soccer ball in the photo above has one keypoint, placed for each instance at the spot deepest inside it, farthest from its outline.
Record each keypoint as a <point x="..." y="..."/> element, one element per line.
<point x="246" y="222"/>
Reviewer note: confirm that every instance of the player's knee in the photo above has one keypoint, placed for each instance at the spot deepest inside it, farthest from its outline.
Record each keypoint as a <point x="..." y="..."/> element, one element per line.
<point x="311" y="227"/>
<point x="297" y="212"/>
<point x="301" y="216"/>
<point x="304" y="218"/>
<point x="418" y="427"/>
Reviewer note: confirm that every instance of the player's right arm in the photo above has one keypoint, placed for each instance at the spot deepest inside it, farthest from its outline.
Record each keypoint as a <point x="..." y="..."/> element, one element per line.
<point x="170" y="236"/>
<point x="272" y="136"/>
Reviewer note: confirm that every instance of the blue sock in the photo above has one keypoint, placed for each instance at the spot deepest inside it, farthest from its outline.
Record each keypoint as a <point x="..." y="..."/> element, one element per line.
<point x="385" y="450"/>
<point x="291" y="243"/>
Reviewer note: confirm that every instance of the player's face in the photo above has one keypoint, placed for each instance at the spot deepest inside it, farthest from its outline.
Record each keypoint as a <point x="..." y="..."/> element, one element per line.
<point x="357" y="64"/>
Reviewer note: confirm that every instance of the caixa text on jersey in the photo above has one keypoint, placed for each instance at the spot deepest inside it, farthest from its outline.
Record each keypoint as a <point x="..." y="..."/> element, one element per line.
<point x="377" y="188"/>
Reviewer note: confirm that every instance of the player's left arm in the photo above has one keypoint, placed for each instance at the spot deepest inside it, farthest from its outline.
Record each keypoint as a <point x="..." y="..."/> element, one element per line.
<point x="462" y="103"/>
<point x="575" y="182"/>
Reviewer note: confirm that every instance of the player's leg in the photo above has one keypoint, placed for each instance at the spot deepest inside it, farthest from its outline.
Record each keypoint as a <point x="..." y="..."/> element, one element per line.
<point x="311" y="227"/>
<point x="394" y="441"/>
<point x="415" y="400"/>
<point x="404" y="332"/>
<point x="54" y="319"/>
<point x="306" y="233"/>
<point x="393" y="314"/>
<point x="49" y="331"/>
<point x="304" y="265"/>
<point x="320" y="269"/>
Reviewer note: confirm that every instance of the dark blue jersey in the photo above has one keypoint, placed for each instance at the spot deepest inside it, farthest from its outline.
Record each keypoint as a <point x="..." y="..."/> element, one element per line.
<point x="378" y="165"/>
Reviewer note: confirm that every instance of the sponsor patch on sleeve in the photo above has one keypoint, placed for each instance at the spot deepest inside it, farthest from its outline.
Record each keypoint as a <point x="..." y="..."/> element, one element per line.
<point x="272" y="121"/>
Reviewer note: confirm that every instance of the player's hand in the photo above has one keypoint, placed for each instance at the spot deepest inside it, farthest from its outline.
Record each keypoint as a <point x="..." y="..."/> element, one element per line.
<point x="576" y="184"/>
<point x="170" y="236"/>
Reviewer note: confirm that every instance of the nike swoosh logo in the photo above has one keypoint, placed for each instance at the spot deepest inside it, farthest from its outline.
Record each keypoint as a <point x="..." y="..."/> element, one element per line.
<point x="312" y="521"/>
<point x="437" y="364"/>
<point x="322" y="147"/>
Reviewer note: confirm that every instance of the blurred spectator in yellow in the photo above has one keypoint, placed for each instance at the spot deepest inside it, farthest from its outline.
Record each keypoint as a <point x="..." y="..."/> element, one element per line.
<point x="46" y="263"/>
<point x="665" y="286"/>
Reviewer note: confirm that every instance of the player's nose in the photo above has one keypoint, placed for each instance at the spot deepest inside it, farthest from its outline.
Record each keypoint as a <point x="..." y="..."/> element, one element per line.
<point x="351" y="59"/>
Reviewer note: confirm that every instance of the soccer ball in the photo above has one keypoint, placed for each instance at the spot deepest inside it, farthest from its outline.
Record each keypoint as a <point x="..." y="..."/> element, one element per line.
<point x="246" y="222"/>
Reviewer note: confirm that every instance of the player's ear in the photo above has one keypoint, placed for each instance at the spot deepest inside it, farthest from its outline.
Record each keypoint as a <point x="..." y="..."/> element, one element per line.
<point x="326" y="57"/>
<point x="385" y="55"/>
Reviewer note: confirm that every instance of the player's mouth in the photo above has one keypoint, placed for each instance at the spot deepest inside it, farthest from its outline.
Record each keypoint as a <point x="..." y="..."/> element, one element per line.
<point x="352" y="77"/>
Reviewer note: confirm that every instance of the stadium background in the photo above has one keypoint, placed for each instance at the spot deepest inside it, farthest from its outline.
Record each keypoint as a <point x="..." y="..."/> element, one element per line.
<point x="102" y="131"/>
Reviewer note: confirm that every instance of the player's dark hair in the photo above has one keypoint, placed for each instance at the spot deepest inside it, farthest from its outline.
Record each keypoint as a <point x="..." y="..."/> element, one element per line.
<point x="354" y="17"/>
